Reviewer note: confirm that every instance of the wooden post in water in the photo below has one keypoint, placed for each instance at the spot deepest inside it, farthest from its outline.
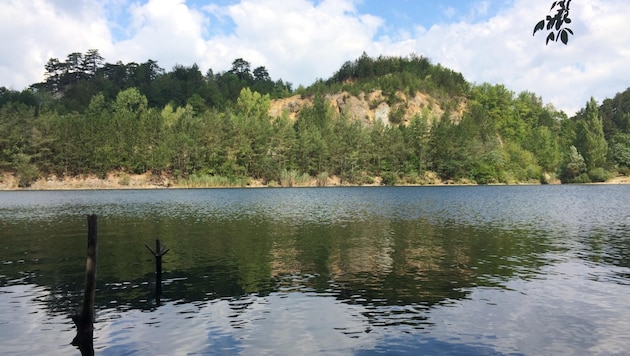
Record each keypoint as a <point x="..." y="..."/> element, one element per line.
<point x="84" y="320"/>
<point x="158" y="253"/>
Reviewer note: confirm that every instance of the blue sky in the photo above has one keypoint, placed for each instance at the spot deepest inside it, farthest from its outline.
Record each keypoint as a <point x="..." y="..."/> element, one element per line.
<point x="302" y="40"/>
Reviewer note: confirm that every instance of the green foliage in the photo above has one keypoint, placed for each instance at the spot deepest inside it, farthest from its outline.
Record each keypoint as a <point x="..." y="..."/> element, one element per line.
<point x="521" y="165"/>
<point x="599" y="175"/>
<point x="292" y="178"/>
<point x="615" y="114"/>
<point x="212" y="181"/>
<point x="76" y="80"/>
<point x="484" y="173"/>
<point x="397" y="116"/>
<point x="322" y="179"/>
<point x="574" y="167"/>
<point x="590" y="141"/>
<point x="582" y="179"/>
<point x="27" y="173"/>
<point x="214" y="129"/>
<point x="409" y="74"/>
<point x="620" y="149"/>
<point x="124" y="179"/>
<point x="389" y="178"/>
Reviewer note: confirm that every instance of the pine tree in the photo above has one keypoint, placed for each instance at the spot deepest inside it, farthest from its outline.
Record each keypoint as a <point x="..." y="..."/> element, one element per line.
<point x="590" y="141"/>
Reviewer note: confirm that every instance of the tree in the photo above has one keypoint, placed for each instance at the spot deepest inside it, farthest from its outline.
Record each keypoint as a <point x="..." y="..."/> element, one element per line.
<point x="555" y="23"/>
<point x="261" y="74"/>
<point x="241" y="68"/>
<point x="54" y="70"/>
<point x="92" y="62"/>
<point x="73" y="68"/>
<point x="129" y="116"/>
<point x="575" y="165"/>
<point x="312" y="128"/>
<point x="26" y="171"/>
<point x="417" y="137"/>
<point x="620" y="149"/>
<point x="590" y="141"/>
<point x="254" y="134"/>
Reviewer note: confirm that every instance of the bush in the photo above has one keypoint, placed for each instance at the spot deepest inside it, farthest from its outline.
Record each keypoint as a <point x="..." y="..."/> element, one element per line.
<point x="322" y="179"/>
<point x="582" y="178"/>
<point x="212" y="181"/>
<point x="26" y="172"/>
<point x="389" y="178"/>
<point x="124" y="179"/>
<point x="412" y="178"/>
<point x="397" y="116"/>
<point x="599" y="175"/>
<point x="27" y="175"/>
<point x="484" y="173"/>
<point x="290" y="178"/>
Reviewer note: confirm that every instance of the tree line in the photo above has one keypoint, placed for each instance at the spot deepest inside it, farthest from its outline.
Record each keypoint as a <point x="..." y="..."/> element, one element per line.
<point x="216" y="128"/>
<point x="76" y="80"/>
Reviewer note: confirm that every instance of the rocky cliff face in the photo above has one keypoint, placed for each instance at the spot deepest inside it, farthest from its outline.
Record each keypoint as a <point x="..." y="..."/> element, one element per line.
<point x="371" y="107"/>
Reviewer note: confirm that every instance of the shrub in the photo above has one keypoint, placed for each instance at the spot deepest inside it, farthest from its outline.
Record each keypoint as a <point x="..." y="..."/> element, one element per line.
<point x="27" y="175"/>
<point x="322" y="179"/>
<point x="362" y="179"/>
<point x="389" y="178"/>
<point x="484" y="173"/>
<point x="124" y="179"/>
<point x="397" y="116"/>
<point x="26" y="172"/>
<point x="209" y="181"/>
<point x="288" y="177"/>
<point x="599" y="175"/>
<point x="582" y="178"/>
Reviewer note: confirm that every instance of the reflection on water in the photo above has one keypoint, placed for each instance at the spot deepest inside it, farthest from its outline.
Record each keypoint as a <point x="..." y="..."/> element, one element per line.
<point x="442" y="270"/>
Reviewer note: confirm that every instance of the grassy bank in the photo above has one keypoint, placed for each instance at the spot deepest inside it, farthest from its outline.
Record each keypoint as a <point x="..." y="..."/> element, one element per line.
<point x="121" y="180"/>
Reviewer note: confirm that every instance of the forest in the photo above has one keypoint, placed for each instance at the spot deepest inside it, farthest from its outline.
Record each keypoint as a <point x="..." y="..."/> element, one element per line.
<point x="90" y="117"/>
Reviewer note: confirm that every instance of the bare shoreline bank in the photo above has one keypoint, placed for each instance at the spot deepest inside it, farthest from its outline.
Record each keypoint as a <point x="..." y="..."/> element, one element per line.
<point x="146" y="181"/>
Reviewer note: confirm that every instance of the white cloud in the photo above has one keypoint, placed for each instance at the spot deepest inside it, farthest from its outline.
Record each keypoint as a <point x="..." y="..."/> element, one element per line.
<point x="301" y="40"/>
<point x="31" y="32"/>
<point x="164" y="30"/>
<point x="502" y="50"/>
<point x="295" y="40"/>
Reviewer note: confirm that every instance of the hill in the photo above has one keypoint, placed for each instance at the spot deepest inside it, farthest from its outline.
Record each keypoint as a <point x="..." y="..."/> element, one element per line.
<point x="385" y="120"/>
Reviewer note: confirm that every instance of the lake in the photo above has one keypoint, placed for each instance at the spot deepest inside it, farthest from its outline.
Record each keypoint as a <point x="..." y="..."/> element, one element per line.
<point x="472" y="270"/>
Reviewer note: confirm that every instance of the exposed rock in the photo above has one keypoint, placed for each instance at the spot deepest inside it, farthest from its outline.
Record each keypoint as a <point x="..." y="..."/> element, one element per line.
<point x="369" y="108"/>
<point x="382" y="113"/>
<point x="291" y="106"/>
<point x="357" y="108"/>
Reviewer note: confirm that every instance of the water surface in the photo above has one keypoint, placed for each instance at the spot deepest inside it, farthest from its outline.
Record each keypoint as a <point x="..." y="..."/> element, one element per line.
<point x="434" y="270"/>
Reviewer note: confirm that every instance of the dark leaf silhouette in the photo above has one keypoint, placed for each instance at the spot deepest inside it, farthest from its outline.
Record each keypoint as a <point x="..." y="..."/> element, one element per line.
<point x="539" y="26"/>
<point x="564" y="36"/>
<point x="555" y="23"/>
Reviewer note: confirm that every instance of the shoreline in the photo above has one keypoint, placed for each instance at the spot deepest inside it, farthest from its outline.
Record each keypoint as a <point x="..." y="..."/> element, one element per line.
<point x="122" y="181"/>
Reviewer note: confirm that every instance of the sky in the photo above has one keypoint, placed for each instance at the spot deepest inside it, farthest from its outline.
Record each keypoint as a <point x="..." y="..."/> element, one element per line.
<point x="300" y="41"/>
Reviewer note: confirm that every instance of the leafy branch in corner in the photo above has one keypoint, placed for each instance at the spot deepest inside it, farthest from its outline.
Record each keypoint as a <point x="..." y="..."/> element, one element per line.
<point x="554" y="24"/>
